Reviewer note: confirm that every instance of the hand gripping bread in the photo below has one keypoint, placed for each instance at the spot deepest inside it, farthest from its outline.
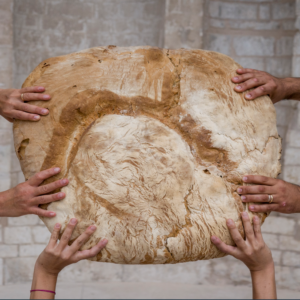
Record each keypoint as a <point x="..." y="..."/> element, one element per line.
<point x="154" y="143"/>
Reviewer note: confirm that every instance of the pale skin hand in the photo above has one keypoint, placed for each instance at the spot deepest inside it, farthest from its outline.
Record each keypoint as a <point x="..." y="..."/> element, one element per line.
<point x="26" y="197"/>
<point x="254" y="253"/>
<point x="263" y="83"/>
<point x="57" y="256"/>
<point x="12" y="107"/>
<point x="286" y="196"/>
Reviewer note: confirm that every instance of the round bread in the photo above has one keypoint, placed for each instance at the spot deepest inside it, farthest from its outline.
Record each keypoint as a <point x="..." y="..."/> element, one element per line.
<point x="154" y="143"/>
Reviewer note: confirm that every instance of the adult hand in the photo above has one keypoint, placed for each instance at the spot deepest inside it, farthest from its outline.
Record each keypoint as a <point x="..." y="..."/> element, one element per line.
<point x="26" y="197"/>
<point x="254" y="253"/>
<point x="261" y="82"/>
<point x="286" y="196"/>
<point x="12" y="106"/>
<point x="56" y="256"/>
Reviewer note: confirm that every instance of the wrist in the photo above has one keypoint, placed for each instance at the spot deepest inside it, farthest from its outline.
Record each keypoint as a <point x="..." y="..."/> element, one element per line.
<point x="289" y="87"/>
<point x="42" y="271"/>
<point x="6" y="199"/>
<point x="269" y="268"/>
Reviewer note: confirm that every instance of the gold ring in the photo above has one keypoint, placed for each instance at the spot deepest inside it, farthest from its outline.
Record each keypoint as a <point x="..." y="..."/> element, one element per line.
<point x="22" y="97"/>
<point x="270" y="199"/>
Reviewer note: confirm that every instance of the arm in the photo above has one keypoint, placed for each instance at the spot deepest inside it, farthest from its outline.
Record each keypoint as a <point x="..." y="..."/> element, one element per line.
<point x="56" y="256"/>
<point x="263" y="83"/>
<point x="286" y="196"/>
<point x="254" y="253"/>
<point x="12" y="105"/>
<point x="26" y="197"/>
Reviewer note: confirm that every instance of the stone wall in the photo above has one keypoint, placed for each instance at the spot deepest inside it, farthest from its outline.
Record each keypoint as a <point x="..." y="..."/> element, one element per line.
<point x="259" y="34"/>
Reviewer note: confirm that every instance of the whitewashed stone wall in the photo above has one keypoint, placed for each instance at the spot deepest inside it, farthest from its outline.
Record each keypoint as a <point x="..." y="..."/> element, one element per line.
<point x="258" y="34"/>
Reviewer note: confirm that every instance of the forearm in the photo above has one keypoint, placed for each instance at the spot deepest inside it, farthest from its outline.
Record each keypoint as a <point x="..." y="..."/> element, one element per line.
<point x="43" y="281"/>
<point x="263" y="283"/>
<point x="291" y="88"/>
<point x="6" y="198"/>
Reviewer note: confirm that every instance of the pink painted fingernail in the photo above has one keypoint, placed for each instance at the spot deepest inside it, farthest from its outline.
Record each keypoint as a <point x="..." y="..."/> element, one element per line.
<point x="56" y="170"/>
<point x="52" y="214"/>
<point x="239" y="190"/>
<point x="243" y="197"/>
<point x="73" y="221"/>
<point x="283" y="203"/>
<point x="64" y="181"/>
<point x="248" y="96"/>
<point x="251" y="207"/>
<point x="93" y="227"/>
<point x="46" y="97"/>
<point x="238" y="87"/>
<point x="239" y="70"/>
<point x="235" y="78"/>
<point x="245" y="178"/>
<point x="57" y="225"/>
<point x="40" y="88"/>
<point x="60" y="195"/>
<point x="36" y="117"/>
<point x="44" y="111"/>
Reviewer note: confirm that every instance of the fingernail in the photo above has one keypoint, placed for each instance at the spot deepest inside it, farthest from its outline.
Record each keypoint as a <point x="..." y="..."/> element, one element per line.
<point x="245" y="178"/>
<point x="56" y="170"/>
<point x="64" y="181"/>
<point x="36" y="117"/>
<point x="244" y="214"/>
<point x="238" y="87"/>
<point x="248" y="96"/>
<point x="235" y="78"/>
<point x="251" y="207"/>
<point x="93" y="227"/>
<point x="60" y="195"/>
<point x="255" y="218"/>
<point x="40" y="88"/>
<point x="73" y="221"/>
<point x="239" y="70"/>
<point x="57" y="225"/>
<point x="283" y="203"/>
<point x="104" y="241"/>
<point x="243" y="197"/>
<point x="46" y="97"/>
<point x="229" y="222"/>
<point x="52" y="214"/>
<point x="44" y="111"/>
<point x="239" y="190"/>
<point x="213" y="238"/>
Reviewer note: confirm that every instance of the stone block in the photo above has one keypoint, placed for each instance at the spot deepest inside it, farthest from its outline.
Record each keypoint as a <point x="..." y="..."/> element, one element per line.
<point x="264" y="11"/>
<point x="251" y="62"/>
<point x="279" y="66"/>
<point x="291" y="174"/>
<point x="19" y="269"/>
<point x="272" y="240"/>
<point x="253" y="45"/>
<point x="218" y="43"/>
<point x="41" y="234"/>
<point x="15" y="163"/>
<point x="292" y="156"/>
<point x="288" y="24"/>
<point x="8" y="251"/>
<point x="283" y="115"/>
<point x="4" y="181"/>
<point x="23" y="220"/>
<point x="239" y="273"/>
<point x="224" y="10"/>
<point x="5" y="157"/>
<point x="1" y="271"/>
<point x="6" y="55"/>
<point x="5" y="137"/>
<point x="289" y="243"/>
<point x="297" y="44"/>
<point x="291" y="259"/>
<point x="217" y="23"/>
<point x="6" y="5"/>
<point x="283" y="10"/>
<point x="296" y="66"/>
<point x="284" y="46"/>
<point x="293" y="138"/>
<point x="278" y="225"/>
<point x="17" y="235"/>
<point x="276" y="254"/>
<point x="190" y="272"/>
<point x="85" y="271"/>
<point x="282" y="131"/>
<point x="0" y="233"/>
<point x="31" y="250"/>
<point x="254" y="25"/>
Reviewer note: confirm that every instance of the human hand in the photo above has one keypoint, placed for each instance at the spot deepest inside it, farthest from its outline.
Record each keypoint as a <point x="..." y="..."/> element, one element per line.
<point x="286" y="196"/>
<point x="13" y="107"/>
<point x="261" y="82"/>
<point x="26" y="197"/>
<point x="56" y="256"/>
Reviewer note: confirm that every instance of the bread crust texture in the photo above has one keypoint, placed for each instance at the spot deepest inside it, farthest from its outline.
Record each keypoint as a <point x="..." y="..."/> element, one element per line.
<point x="154" y="142"/>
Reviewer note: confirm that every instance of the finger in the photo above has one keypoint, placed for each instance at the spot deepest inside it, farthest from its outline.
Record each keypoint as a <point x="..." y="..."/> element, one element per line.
<point x="262" y="90"/>
<point x="42" y="212"/>
<point x="264" y="207"/>
<point x="236" y="236"/>
<point x="8" y="119"/>
<point x="48" y="198"/>
<point x="228" y="249"/>
<point x="21" y="115"/>
<point x="82" y="239"/>
<point x="91" y="252"/>
<point x="39" y="177"/>
<point x="258" y="179"/>
<point x="45" y="189"/>
<point x="31" y="108"/>
<point x="256" y="227"/>
<point x="247" y="85"/>
<point x="247" y="226"/>
<point x="65" y="238"/>
<point x="54" y="235"/>
<point x="35" y="97"/>
<point x="32" y="89"/>
<point x="256" y="189"/>
<point x="257" y="198"/>
<point x="245" y="70"/>
<point x="243" y="78"/>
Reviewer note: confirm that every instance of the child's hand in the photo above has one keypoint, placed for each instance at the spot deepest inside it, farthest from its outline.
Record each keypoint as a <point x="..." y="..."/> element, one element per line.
<point x="26" y="197"/>
<point x="253" y="251"/>
<point x="13" y="106"/>
<point x="286" y="196"/>
<point x="56" y="256"/>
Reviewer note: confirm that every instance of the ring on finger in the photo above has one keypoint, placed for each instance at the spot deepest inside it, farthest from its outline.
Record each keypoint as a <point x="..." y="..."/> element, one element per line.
<point x="22" y="97"/>
<point x="270" y="199"/>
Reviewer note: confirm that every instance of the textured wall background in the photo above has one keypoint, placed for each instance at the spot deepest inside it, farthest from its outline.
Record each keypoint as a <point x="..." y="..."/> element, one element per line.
<point x="262" y="34"/>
